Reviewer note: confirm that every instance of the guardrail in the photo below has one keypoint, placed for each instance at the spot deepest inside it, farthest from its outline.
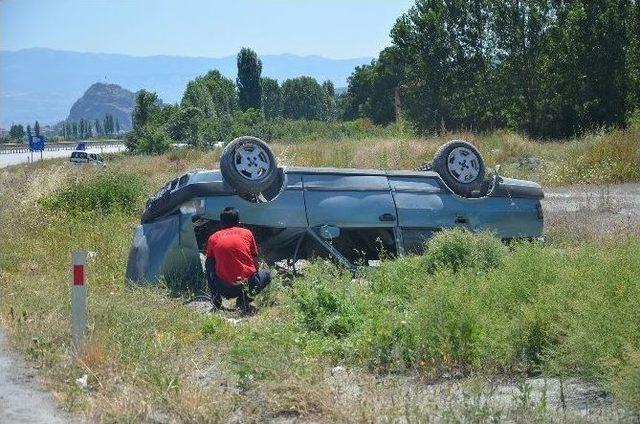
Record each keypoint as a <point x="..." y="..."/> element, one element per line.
<point x="56" y="147"/>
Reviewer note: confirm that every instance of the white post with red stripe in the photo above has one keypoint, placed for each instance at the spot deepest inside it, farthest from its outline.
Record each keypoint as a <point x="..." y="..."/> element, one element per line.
<point x="78" y="300"/>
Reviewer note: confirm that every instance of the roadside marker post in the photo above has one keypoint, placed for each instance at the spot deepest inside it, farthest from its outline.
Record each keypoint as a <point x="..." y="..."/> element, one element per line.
<point x="78" y="300"/>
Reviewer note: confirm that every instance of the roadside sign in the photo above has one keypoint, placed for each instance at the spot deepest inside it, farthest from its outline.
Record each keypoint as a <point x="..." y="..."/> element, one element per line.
<point x="81" y="146"/>
<point x="36" y="142"/>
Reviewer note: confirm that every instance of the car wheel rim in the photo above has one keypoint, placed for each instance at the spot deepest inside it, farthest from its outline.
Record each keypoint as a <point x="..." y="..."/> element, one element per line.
<point x="251" y="161"/>
<point x="463" y="165"/>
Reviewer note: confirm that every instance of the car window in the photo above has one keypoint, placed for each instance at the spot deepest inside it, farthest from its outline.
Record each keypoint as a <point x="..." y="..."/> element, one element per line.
<point x="92" y="156"/>
<point x="183" y="180"/>
<point x="100" y="158"/>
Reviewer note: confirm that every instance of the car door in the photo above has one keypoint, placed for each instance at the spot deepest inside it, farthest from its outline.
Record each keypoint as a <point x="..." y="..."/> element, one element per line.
<point x="349" y="201"/>
<point x="420" y="206"/>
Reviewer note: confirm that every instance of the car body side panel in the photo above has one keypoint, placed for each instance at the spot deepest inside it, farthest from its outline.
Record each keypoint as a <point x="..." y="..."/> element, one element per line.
<point x="348" y="201"/>
<point x="421" y="204"/>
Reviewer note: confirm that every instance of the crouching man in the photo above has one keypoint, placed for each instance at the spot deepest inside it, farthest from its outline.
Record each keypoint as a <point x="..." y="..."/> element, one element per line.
<point x="232" y="263"/>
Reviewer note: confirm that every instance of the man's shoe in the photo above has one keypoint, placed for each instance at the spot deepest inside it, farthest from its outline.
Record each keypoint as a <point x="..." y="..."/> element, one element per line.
<point x="216" y="303"/>
<point x="244" y="304"/>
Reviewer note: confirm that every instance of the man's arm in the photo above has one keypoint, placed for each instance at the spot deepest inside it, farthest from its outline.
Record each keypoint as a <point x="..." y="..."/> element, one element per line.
<point x="254" y="252"/>
<point x="210" y="267"/>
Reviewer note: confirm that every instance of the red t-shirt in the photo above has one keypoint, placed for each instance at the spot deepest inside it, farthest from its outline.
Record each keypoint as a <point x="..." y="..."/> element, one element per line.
<point x="234" y="250"/>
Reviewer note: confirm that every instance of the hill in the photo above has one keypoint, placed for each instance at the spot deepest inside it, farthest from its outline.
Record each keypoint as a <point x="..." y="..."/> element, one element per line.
<point x="42" y="84"/>
<point x="100" y="99"/>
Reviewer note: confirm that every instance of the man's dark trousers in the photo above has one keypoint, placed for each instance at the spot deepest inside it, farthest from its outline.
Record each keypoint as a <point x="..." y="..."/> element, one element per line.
<point x="242" y="292"/>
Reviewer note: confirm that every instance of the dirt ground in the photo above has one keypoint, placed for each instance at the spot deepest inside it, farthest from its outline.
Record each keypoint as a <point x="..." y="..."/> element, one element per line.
<point x="593" y="211"/>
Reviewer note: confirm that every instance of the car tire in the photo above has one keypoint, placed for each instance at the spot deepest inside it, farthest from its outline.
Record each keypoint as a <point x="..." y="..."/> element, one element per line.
<point x="461" y="167"/>
<point x="248" y="165"/>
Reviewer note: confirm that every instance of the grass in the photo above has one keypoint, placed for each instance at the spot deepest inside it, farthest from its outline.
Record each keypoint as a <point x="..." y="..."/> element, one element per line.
<point x="469" y="310"/>
<point x="597" y="158"/>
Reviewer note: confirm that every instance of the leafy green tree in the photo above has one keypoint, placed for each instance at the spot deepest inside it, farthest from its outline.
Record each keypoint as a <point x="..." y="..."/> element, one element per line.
<point x="271" y="98"/>
<point x="212" y="93"/>
<point x="373" y="88"/>
<point x="197" y="96"/>
<point x="248" y="81"/>
<point x="184" y="125"/>
<point x="16" y="132"/>
<point x="147" y="105"/>
<point x="303" y="98"/>
<point x="633" y="61"/>
<point x="28" y="131"/>
<point x="36" y="129"/>
<point x="98" y="125"/>
<point x="421" y="36"/>
<point x="117" y="126"/>
<point x="358" y="91"/>
<point x="329" y="100"/>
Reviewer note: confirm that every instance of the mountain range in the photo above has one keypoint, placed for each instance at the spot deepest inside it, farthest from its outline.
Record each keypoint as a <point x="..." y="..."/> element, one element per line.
<point x="42" y="84"/>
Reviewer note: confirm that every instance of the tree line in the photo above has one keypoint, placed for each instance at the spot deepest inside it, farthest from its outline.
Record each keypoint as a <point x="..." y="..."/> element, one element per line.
<point x="215" y="108"/>
<point x="87" y="128"/>
<point x="548" y="68"/>
<point x="18" y="133"/>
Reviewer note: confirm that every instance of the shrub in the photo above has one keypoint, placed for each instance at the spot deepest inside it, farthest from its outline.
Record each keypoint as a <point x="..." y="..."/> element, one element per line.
<point x="148" y="139"/>
<point x="109" y="192"/>
<point x="324" y="309"/>
<point x="457" y="248"/>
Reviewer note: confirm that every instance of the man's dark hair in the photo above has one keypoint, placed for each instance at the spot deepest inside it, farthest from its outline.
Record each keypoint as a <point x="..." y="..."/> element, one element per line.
<point x="229" y="217"/>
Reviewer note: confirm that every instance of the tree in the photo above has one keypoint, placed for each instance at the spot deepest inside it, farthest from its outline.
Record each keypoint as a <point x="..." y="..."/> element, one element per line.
<point x="329" y="100"/>
<point x="98" y="126"/>
<point x="147" y="105"/>
<point x="117" y="126"/>
<point x="358" y="91"/>
<point x="373" y="88"/>
<point x="303" y="98"/>
<point x="271" y="98"/>
<point x="212" y="93"/>
<point x="36" y="129"/>
<point x="248" y="81"/>
<point x="28" y="131"/>
<point x="184" y="125"/>
<point x="109" y="125"/>
<point x="197" y="96"/>
<point x="16" y="132"/>
<point x="421" y="36"/>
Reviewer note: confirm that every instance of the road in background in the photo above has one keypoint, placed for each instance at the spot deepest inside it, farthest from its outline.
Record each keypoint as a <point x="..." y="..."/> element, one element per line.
<point x="7" y="159"/>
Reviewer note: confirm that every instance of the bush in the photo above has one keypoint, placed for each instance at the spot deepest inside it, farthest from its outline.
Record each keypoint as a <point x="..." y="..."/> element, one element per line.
<point x="148" y="139"/>
<point x="324" y="309"/>
<point x="457" y="248"/>
<point x="110" y="192"/>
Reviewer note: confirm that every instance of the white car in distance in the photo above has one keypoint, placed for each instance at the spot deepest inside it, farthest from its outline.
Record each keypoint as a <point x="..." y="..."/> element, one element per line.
<point x="80" y="157"/>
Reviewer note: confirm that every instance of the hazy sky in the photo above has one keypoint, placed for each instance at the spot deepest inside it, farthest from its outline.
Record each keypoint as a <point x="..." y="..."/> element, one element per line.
<point x="214" y="28"/>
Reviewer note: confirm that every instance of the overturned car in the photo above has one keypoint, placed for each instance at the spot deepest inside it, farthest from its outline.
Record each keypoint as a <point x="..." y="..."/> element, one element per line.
<point x="351" y="215"/>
